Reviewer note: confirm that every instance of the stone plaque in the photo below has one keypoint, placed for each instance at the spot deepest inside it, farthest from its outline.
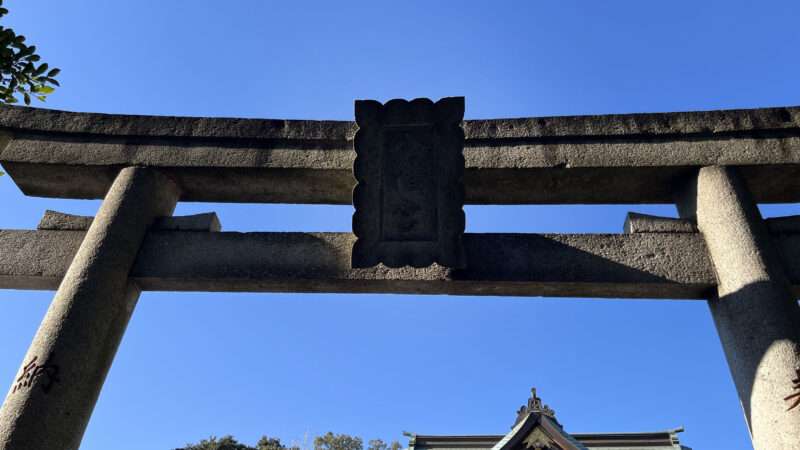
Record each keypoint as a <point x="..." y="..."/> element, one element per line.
<point x="409" y="197"/>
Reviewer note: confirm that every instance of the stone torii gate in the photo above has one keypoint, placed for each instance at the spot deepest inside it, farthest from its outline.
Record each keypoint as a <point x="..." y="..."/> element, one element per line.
<point x="415" y="164"/>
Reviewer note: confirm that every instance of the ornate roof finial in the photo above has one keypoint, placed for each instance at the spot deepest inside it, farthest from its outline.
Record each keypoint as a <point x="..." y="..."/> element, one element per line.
<point x="534" y="405"/>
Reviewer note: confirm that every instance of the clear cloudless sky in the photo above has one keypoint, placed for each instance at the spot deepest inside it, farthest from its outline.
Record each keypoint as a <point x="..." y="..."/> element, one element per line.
<point x="193" y="365"/>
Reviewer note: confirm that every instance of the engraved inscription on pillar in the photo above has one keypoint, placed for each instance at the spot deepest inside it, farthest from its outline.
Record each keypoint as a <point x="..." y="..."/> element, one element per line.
<point x="409" y="195"/>
<point x="33" y="371"/>
<point x="794" y="398"/>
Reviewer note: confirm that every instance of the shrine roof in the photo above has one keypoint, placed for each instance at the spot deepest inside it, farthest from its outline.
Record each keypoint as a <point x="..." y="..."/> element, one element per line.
<point x="648" y="440"/>
<point x="537" y="427"/>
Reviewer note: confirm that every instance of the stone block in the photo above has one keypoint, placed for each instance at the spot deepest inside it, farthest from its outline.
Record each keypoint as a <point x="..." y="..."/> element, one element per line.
<point x="54" y="220"/>
<point x="601" y="159"/>
<point x="787" y="224"/>
<point x="409" y="197"/>
<point x="645" y="223"/>
<point x="195" y="222"/>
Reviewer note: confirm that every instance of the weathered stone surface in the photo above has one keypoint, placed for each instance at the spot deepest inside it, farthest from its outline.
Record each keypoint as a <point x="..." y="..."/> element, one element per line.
<point x="788" y="224"/>
<point x="645" y="223"/>
<point x="195" y="222"/>
<point x="754" y="309"/>
<point x="628" y="158"/>
<point x="15" y="118"/>
<point x="54" y="393"/>
<point x="718" y="122"/>
<point x="33" y="259"/>
<point x="646" y="265"/>
<point x="657" y="265"/>
<point x="54" y="220"/>
<point x="409" y="197"/>
<point x="498" y="264"/>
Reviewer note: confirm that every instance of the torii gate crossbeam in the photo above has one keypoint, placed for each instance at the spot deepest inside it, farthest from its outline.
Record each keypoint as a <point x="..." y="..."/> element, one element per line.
<point x="716" y="165"/>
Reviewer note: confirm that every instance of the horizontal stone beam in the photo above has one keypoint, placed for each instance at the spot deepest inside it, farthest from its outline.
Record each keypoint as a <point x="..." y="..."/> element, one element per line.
<point x="621" y="158"/>
<point x="646" y="265"/>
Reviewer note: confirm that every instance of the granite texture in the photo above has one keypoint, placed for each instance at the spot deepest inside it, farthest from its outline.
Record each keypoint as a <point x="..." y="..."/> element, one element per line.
<point x="618" y="158"/>
<point x="54" y="393"/>
<point x="645" y="223"/>
<point x="643" y="265"/>
<point x="749" y="268"/>
<point x="754" y="309"/>
<point x="787" y="224"/>
<point x="54" y="220"/>
<point x="194" y="222"/>
<point x="409" y="197"/>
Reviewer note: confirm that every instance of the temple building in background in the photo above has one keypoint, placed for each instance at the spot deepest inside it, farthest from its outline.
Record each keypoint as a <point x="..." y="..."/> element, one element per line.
<point x="537" y="428"/>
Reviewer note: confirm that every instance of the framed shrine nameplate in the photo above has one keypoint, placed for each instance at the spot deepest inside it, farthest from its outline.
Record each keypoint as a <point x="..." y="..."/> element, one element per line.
<point x="409" y="197"/>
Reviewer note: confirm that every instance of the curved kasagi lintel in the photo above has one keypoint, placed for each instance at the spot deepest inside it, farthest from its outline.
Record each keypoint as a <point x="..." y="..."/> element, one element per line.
<point x="618" y="158"/>
<point x="37" y="120"/>
<point x="21" y="118"/>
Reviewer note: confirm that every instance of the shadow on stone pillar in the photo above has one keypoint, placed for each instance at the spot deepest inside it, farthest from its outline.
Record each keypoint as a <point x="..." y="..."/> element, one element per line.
<point x="755" y="313"/>
<point x="54" y="393"/>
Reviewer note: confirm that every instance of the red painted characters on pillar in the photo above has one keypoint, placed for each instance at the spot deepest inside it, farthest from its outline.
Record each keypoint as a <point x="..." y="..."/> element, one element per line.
<point x="796" y="395"/>
<point x="30" y="373"/>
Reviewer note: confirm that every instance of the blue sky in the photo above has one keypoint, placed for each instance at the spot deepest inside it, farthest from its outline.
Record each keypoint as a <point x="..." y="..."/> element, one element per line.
<point x="198" y="364"/>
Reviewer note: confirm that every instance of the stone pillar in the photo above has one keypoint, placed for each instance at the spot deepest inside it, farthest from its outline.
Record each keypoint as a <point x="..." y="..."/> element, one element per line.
<point x="54" y="393"/>
<point x="756" y="315"/>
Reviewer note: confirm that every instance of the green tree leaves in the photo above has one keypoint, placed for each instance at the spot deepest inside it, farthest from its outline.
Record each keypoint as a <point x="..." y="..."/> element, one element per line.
<point x="269" y="444"/>
<point x="19" y="75"/>
<point x="378" y="444"/>
<point x="225" y="443"/>
<point x="338" y="442"/>
<point x="330" y="441"/>
<point x="229" y="443"/>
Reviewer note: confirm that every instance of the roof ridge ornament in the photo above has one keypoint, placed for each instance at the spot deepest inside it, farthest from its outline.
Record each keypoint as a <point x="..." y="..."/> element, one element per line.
<point x="535" y="405"/>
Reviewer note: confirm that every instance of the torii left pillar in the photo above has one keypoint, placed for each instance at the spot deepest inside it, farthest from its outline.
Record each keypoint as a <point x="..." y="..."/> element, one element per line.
<point x="54" y="393"/>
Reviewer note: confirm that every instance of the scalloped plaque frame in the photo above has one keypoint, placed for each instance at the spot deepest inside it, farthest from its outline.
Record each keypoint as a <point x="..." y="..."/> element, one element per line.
<point x="409" y="197"/>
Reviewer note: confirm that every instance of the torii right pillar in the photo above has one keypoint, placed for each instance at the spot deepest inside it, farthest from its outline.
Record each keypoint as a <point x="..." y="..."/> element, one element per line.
<point x="756" y="315"/>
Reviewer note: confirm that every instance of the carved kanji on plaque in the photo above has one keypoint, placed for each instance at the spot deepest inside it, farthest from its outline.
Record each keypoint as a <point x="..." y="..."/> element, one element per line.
<point x="409" y="197"/>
